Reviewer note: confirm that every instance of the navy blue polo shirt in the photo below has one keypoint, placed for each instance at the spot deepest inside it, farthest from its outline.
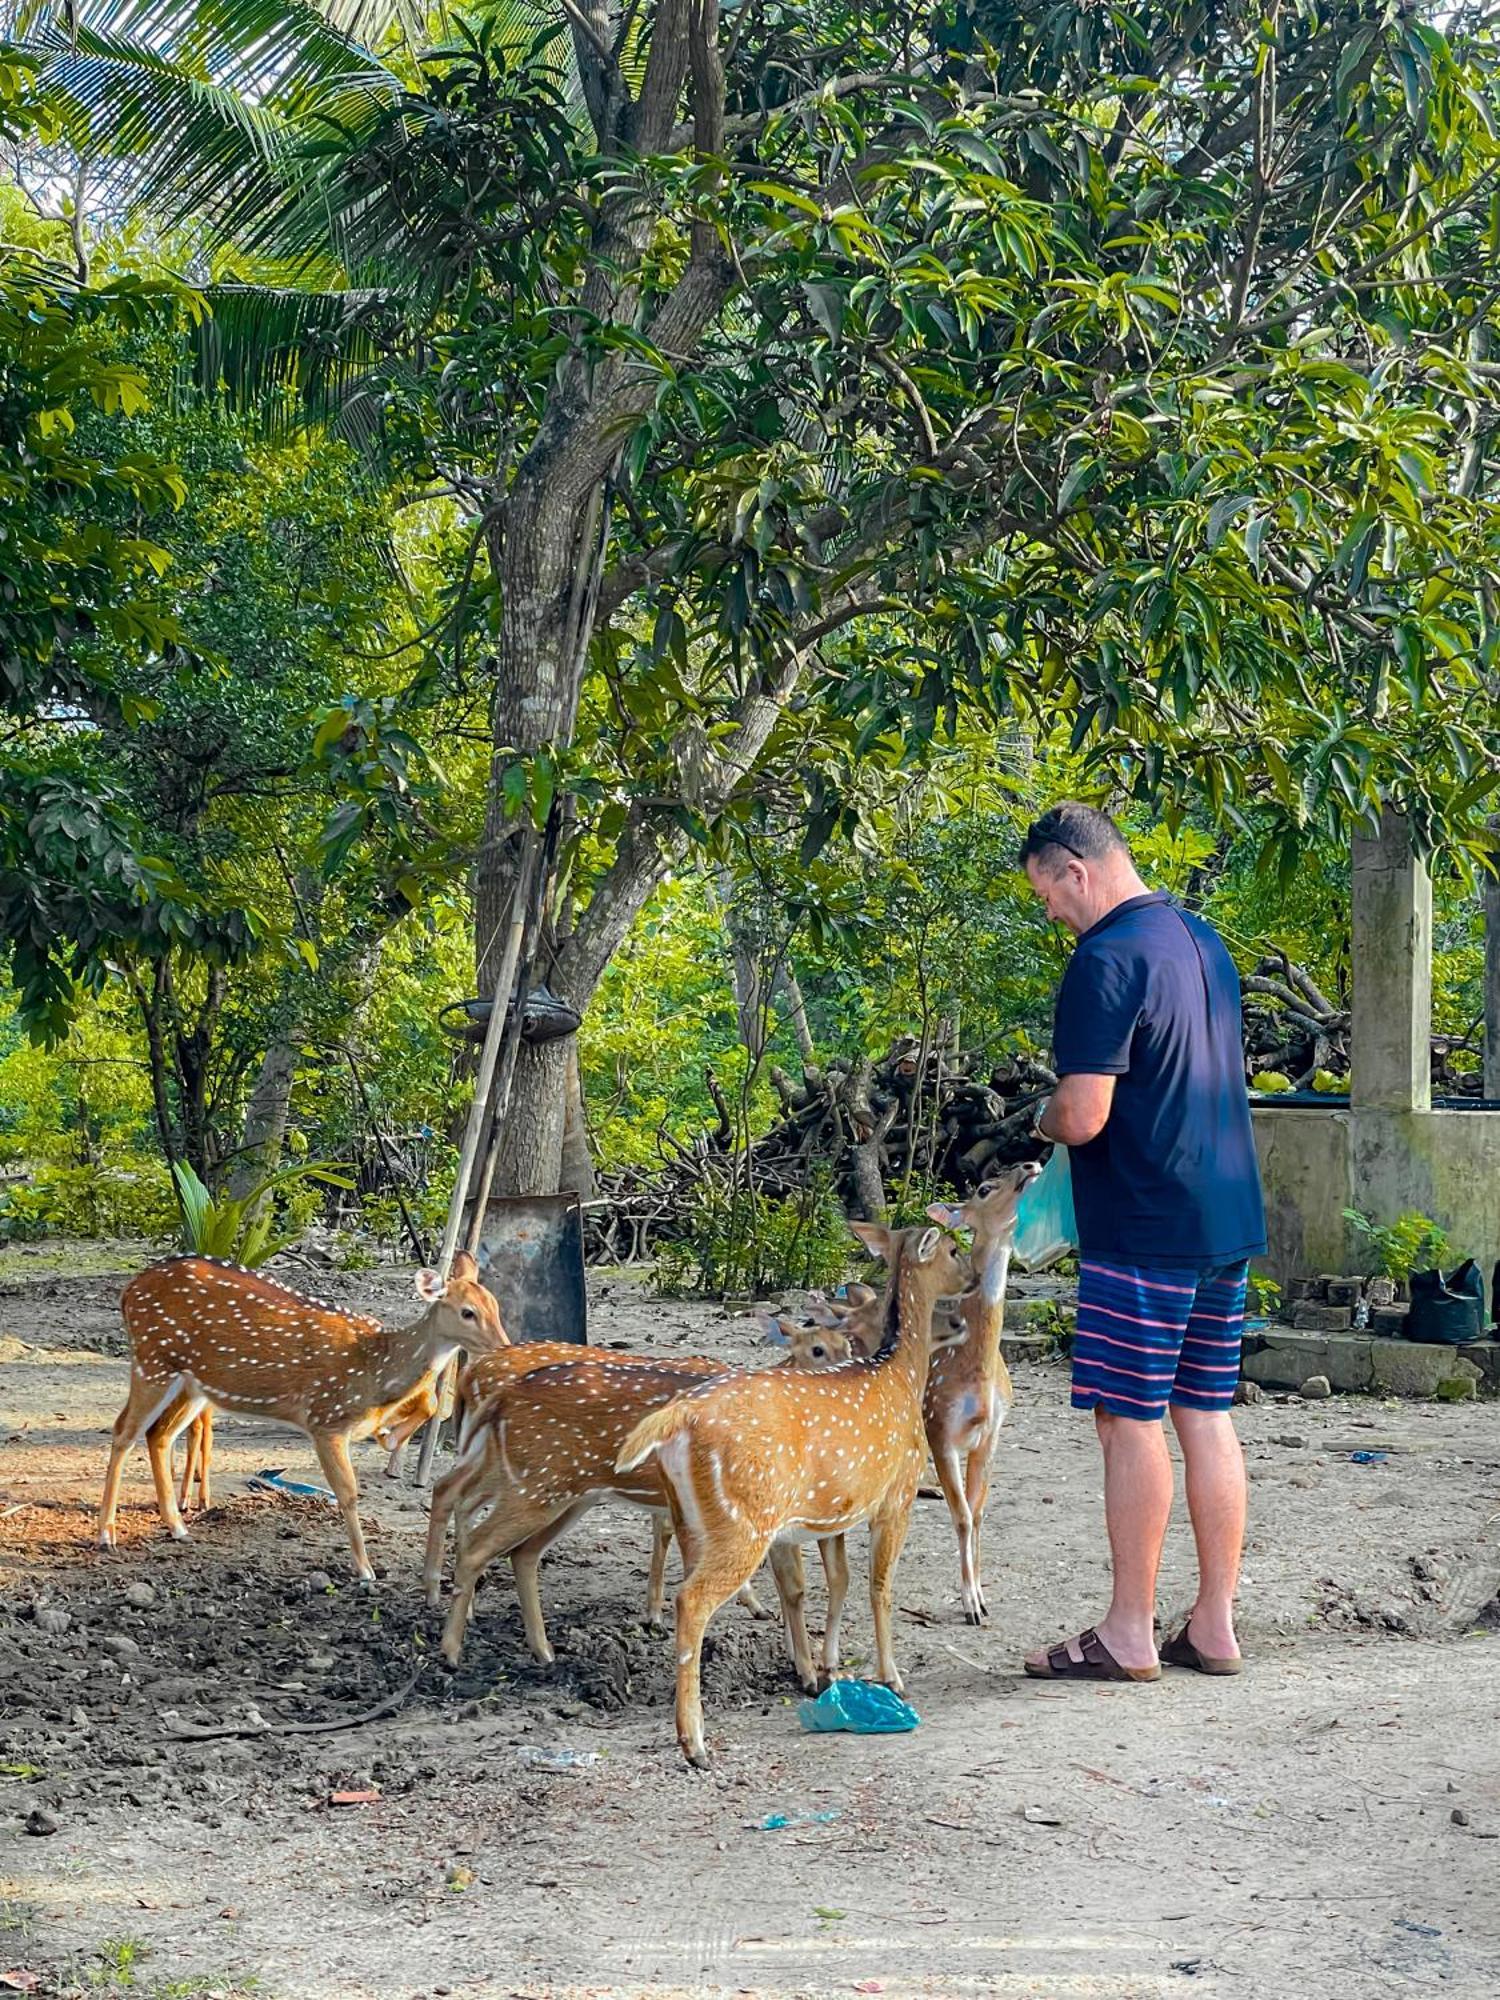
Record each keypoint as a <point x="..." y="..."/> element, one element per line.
<point x="1152" y="998"/>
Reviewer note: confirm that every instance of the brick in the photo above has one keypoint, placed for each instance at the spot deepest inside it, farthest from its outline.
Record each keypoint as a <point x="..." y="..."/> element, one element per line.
<point x="1323" y="1319"/>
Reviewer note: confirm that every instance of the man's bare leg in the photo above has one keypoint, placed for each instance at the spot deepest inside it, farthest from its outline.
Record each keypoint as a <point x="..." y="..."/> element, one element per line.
<point x="1137" y="1502"/>
<point x="1216" y="1497"/>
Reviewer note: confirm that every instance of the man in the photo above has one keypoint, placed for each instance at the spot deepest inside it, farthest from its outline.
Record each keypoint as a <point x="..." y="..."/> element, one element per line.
<point x="1151" y="1102"/>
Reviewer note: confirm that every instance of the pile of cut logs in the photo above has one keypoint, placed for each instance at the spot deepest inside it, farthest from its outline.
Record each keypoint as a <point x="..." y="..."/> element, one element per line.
<point x="1292" y="1028"/>
<point x="927" y="1112"/>
<point x="932" y="1115"/>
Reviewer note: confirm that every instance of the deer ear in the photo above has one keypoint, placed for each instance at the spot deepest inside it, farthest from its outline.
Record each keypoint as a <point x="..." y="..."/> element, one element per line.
<point x="945" y="1213"/>
<point x="927" y="1248"/>
<point x="430" y="1287"/>
<point x="465" y="1267"/>
<point x="875" y="1237"/>
<point x="825" y="1313"/>
<point x="774" y="1331"/>
<point x="860" y="1295"/>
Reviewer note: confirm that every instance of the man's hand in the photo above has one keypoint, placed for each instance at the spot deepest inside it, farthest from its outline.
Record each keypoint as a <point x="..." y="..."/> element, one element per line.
<point x="1077" y="1111"/>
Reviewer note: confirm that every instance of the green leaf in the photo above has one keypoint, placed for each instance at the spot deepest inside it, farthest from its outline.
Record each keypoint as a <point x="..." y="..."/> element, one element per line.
<point x="825" y="302"/>
<point x="1223" y="512"/>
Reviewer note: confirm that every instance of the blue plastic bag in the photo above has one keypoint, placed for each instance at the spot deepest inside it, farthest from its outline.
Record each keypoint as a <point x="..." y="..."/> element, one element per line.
<point x="1046" y="1228"/>
<point x="865" y="1708"/>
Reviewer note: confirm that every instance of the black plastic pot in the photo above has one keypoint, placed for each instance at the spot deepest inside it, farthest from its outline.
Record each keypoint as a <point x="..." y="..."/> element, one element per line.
<point x="1449" y="1311"/>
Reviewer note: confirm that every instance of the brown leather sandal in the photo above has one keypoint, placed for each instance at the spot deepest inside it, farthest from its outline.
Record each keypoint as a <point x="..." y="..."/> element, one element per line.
<point x="1181" y="1652"/>
<point x="1098" y="1663"/>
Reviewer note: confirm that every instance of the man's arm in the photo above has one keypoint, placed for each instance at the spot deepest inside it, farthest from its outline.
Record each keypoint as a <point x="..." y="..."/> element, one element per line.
<point x="1077" y="1110"/>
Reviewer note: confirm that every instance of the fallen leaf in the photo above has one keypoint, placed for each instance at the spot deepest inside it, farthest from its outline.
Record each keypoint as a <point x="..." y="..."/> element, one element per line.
<point x="353" y="1798"/>
<point x="20" y="1982"/>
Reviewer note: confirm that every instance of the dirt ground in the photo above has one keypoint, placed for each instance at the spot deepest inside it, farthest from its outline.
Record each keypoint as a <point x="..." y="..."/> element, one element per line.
<point x="1327" y="1825"/>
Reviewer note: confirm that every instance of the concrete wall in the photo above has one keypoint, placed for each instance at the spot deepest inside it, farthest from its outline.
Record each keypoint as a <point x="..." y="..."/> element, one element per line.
<point x="1315" y="1164"/>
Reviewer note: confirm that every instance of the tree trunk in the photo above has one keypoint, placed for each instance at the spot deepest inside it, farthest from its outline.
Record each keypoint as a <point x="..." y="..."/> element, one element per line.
<point x="266" y="1116"/>
<point x="531" y="1145"/>
<point x="577" y="1166"/>
<point x="1492" y="982"/>
<point x="797" y="1011"/>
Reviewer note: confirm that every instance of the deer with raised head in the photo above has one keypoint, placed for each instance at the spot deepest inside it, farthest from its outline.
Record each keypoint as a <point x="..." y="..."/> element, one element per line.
<point x="543" y="1452"/>
<point x="969" y="1392"/>
<point x="207" y="1334"/>
<point x="789" y="1453"/>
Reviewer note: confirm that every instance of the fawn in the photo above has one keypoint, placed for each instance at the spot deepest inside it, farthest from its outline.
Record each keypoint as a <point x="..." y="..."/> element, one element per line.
<point x="206" y="1333"/>
<point x="754" y="1458"/>
<point x="969" y="1393"/>
<point x="546" y="1453"/>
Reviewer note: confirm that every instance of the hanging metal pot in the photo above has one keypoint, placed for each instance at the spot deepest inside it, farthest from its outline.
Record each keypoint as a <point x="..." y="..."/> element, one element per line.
<point x="544" y="1018"/>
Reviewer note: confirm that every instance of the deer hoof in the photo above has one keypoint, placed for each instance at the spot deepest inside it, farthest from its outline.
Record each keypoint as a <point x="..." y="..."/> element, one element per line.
<point x="696" y="1754"/>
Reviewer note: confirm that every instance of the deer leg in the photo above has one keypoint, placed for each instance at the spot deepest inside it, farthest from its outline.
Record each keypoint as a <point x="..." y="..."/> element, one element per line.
<point x="791" y="1587"/>
<point x="145" y="1402"/>
<point x="503" y="1529"/>
<point x="190" y="1465"/>
<point x="977" y="1490"/>
<point x="160" y="1437"/>
<point x="656" y="1580"/>
<point x="951" y="1479"/>
<point x="525" y="1559"/>
<point x="887" y="1537"/>
<point x="332" y="1448"/>
<point x="205" y="1430"/>
<point x="835" y="1554"/>
<point x="446" y="1497"/>
<point x="724" y="1562"/>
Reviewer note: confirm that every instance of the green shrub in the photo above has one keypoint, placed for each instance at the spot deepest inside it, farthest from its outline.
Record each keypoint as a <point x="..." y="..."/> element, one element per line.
<point x="241" y="1231"/>
<point x="1413" y="1242"/>
<point x="89" y="1201"/>
<point x="739" y="1241"/>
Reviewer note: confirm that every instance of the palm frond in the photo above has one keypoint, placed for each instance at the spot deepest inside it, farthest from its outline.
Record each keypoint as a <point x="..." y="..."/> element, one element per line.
<point x="271" y="348"/>
<point x="193" y="110"/>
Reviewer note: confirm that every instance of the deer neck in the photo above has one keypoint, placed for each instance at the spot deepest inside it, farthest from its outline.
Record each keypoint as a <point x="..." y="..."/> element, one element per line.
<point x="403" y="1356"/>
<point x="905" y="1351"/>
<point x="986" y="1305"/>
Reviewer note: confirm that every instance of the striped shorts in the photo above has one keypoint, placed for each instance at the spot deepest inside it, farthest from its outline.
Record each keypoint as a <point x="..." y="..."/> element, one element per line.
<point x="1147" y="1338"/>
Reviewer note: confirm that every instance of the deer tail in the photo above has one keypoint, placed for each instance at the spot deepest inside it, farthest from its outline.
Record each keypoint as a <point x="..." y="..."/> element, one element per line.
<point x="649" y="1435"/>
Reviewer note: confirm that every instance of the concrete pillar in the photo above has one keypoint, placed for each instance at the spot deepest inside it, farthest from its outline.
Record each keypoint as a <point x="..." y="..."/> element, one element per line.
<point x="1391" y="1031"/>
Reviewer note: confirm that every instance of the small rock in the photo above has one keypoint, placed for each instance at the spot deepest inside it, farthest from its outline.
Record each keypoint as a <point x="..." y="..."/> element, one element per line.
<point x="141" y="1596"/>
<point x="119" y="1647"/>
<point x="52" y="1619"/>
<point x="1459" y="1817"/>
<point x="1249" y="1392"/>
<point x="318" y="1580"/>
<point x="1291" y="1440"/>
<point x="40" y="1822"/>
<point x="1315" y="1389"/>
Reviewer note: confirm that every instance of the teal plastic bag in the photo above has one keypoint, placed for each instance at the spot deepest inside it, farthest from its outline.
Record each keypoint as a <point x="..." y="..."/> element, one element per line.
<point x="1046" y="1227"/>
<point x="865" y="1708"/>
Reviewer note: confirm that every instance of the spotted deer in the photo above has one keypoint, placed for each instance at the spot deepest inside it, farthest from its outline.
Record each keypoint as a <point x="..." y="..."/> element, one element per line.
<point x="392" y="1430"/>
<point x="969" y="1393"/>
<point x="790" y="1453"/>
<point x="544" y="1452"/>
<point x="207" y="1334"/>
